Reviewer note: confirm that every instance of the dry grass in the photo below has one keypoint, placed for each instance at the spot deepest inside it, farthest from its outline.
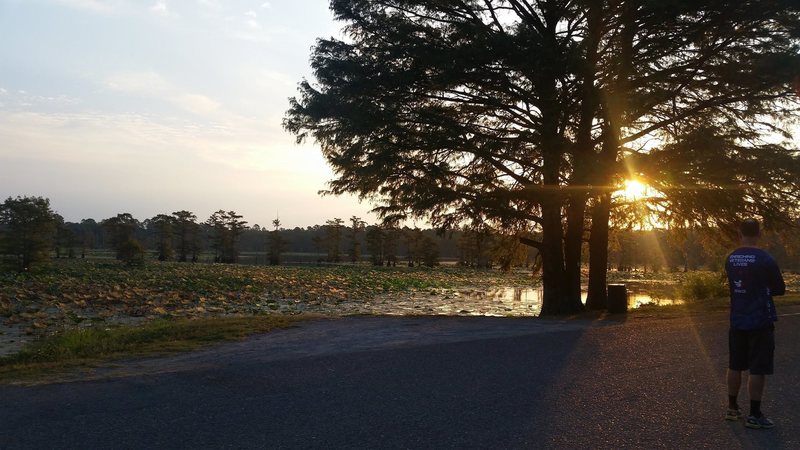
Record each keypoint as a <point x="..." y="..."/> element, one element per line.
<point x="88" y="347"/>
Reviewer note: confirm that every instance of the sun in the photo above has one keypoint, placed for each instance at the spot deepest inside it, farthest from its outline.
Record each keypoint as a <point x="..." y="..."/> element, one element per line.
<point x="634" y="189"/>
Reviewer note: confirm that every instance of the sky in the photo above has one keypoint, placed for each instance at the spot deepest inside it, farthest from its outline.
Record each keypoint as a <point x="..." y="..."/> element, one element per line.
<point x="150" y="107"/>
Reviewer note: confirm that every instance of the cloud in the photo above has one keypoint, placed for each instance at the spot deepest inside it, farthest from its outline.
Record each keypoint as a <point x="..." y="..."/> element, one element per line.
<point x="266" y="5"/>
<point x="251" y="13"/>
<point x="160" y="8"/>
<point x="22" y="100"/>
<point x="150" y="84"/>
<point x="95" y="6"/>
<point x="90" y="164"/>
<point x="272" y="77"/>
<point x="140" y="82"/>
<point x="195" y="103"/>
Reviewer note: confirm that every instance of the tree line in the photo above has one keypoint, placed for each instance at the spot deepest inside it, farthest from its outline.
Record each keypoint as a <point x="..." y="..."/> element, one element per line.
<point x="32" y="233"/>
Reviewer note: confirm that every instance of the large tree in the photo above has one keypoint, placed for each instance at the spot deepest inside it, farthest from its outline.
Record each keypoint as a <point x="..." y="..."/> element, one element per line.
<point x="519" y="114"/>
<point x="693" y="98"/>
<point x="451" y="111"/>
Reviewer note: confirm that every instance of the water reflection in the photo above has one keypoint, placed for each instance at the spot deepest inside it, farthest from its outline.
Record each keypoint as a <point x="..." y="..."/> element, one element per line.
<point x="506" y="301"/>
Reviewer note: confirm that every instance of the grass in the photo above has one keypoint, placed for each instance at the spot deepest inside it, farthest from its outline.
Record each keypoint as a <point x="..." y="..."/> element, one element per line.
<point x="86" y="347"/>
<point x="707" y="305"/>
<point x="701" y="286"/>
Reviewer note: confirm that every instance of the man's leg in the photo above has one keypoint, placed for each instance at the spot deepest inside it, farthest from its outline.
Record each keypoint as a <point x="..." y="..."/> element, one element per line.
<point x="762" y="348"/>
<point x="755" y="387"/>
<point x="734" y="384"/>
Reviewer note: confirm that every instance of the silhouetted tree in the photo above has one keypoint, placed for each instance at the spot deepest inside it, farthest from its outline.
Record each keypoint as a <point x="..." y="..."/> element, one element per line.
<point x="225" y="228"/>
<point x="391" y="243"/>
<point x="187" y="232"/>
<point x="356" y="227"/>
<point x="475" y="246"/>
<point x="333" y="238"/>
<point x="375" y="245"/>
<point x="27" y="230"/>
<point x="708" y="81"/>
<point x="120" y="230"/>
<point x="277" y="244"/>
<point x="164" y="228"/>
<point x="92" y="235"/>
<point x="66" y="239"/>
<point x="519" y="113"/>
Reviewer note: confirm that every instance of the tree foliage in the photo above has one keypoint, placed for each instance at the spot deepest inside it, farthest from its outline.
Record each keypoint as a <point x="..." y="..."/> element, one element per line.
<point x="521" y="115"/>
<point x="187" y="233"/>
<point x="120" y="230"/>
<point x="163" y="227"/>
<point x="333" y="238"/>
<point x="27" y="231"/>
<point x="277" y="243"/>
<point x="226" y="226"/>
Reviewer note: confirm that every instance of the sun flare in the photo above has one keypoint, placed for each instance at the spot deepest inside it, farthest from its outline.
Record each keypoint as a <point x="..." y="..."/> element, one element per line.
<point x="634" y="189"/>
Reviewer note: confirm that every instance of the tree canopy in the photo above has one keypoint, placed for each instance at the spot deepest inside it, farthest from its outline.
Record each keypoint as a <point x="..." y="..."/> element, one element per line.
<point x="520" y="114"/>
<point x="27" y="230"/>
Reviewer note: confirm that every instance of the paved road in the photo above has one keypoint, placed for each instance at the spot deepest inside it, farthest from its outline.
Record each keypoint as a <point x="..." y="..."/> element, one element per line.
<point x="421" y="383"/>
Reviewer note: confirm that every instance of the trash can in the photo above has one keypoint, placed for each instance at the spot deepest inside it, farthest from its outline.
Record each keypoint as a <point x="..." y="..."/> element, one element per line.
<point x="617" y="299"/>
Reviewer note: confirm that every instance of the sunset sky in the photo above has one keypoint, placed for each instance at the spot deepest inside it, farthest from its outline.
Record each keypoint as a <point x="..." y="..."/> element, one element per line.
<point x="148" y="107"/>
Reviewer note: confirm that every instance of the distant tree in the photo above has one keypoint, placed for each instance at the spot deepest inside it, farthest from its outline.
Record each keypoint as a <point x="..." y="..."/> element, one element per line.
<point x="376" y="240"/>
<point x="429" y="251"/>
<point x="120" y="230"/>
<point x="277" y="244"/>
<point x="356" y="227"/>
<point x="318" y="242"/>
<point x="415" y="246"/>
<point x="225" y="228"/>
<point x="27" y="230"/>
<point x="508" y="251"/>
<point x="391" y="243"/>
<point x="164" y="228"/>
<point x="333" y="238"/>
<point x="187" y="232"/>
<point x="66" y="239"/>
<point x="475" y="246"/>
<point x="91" y="235"/>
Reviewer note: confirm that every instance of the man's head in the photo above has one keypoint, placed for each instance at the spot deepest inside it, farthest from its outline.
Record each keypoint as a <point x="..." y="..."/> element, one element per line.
<point x="749" y="231"/>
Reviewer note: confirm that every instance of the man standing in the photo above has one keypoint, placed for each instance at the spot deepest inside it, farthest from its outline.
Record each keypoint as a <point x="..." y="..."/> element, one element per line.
<point x="754" y="278"/>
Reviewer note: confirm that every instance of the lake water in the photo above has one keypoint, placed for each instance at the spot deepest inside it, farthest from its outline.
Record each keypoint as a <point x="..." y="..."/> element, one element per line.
<point x="504" y="301"/>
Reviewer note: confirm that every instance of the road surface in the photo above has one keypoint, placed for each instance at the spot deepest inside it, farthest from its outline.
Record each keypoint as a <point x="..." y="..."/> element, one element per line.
<point x="414" y="383"/>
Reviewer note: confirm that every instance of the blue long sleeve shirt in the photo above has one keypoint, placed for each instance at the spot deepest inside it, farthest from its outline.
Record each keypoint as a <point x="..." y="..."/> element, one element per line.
<point x="754" y="277"/>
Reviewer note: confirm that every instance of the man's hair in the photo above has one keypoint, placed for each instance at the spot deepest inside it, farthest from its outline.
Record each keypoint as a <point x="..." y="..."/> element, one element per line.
<point x="749" y="228"/>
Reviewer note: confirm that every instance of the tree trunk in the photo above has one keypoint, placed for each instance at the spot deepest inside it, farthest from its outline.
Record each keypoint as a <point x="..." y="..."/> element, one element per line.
<point x="597" y="297"/>
<point x="573" y="243"/>
<point x="553" y="281"/>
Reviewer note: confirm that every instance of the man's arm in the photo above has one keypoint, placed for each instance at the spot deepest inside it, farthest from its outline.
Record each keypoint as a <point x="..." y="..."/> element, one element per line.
<point x="776" y="284"/>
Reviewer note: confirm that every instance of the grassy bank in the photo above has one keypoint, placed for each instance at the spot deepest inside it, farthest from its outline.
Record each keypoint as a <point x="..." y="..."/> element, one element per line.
<point x="86" y="347"/>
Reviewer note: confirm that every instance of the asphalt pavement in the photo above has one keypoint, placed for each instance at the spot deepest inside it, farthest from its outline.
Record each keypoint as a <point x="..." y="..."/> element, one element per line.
<point x="416" y="383"/>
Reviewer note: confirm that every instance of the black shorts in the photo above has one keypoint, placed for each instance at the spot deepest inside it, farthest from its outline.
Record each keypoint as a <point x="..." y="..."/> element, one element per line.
<point x="752" y="350"/>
